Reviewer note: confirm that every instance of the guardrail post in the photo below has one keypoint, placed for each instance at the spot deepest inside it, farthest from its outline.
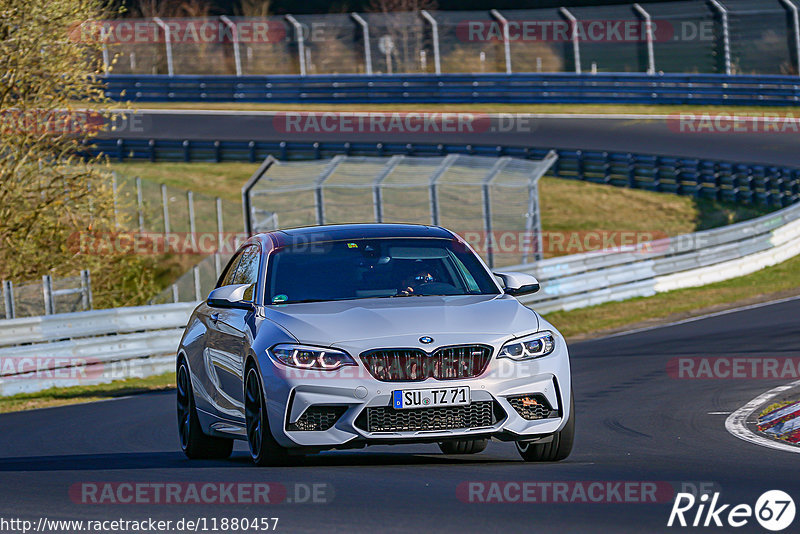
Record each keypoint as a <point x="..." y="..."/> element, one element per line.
<point x="792" y="9"/>
<point x="47" y="293"/>
<point x="196" y="275"/>
<point x="237" y="58"/>
<point x="8" y="298"/>
<point x="165" y="207"/>
<point x="86" y="290"/>
<point x="301" y="43"/>
<point x="726" y="45"/>
<point x="367" y="45"/>
<point x="437" y="65"/>
<point x="140" y="204"/>
<point x="175" y="297"/>
<point x="168" y="42"/>
<point x="648" y="27"/>
<point x="506" y="39"/>
<point x="575" y="36"/>
<point x="192" y="227"/>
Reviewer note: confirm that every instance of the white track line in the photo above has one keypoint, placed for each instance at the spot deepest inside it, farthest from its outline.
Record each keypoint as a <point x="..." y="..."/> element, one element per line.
<point x="735" y="423"/>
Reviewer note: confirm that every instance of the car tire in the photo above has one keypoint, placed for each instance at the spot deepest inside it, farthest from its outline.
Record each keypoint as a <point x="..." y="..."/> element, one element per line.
<point x="264" y="450"/>
<point x="555" y="450"/>
<point x="466" y="446"/>
<point x="195" y="444"/>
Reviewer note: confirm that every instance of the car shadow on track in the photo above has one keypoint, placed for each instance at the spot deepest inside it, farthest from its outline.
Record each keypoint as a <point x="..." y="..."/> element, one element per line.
<point x="176" y="460"/>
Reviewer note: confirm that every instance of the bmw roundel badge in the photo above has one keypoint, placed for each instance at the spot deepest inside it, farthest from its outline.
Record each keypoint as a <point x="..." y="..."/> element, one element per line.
<point x="426" y="339"/>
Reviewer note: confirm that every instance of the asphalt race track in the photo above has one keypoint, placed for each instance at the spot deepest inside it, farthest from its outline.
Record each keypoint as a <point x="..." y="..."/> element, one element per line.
<point x="662" y="135"/>
<point x="635" y="423"/>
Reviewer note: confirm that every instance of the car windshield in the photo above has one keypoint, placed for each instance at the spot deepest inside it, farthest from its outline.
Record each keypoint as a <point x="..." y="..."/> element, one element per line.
<point x="374" y="268"/>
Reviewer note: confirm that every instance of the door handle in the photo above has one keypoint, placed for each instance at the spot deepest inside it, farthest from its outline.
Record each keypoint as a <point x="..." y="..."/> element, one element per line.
<point x="215" y="317"/>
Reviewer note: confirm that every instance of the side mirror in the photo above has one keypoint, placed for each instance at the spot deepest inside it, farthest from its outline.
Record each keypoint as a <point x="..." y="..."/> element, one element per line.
<point x="517" y="284"/>
<point x="230" y="297"/>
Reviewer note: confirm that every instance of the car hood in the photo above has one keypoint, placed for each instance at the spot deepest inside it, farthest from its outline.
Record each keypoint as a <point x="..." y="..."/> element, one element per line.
<point x="329" y="323"/>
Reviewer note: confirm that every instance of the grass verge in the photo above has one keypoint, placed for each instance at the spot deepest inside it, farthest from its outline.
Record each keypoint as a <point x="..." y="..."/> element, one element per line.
<point x="80" y="394"/>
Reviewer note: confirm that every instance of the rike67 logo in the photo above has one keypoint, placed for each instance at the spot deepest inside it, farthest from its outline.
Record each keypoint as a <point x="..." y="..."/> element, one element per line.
<point x="774" y="510"/>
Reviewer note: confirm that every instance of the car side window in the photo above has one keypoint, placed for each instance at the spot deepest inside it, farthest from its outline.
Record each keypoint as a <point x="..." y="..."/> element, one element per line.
<point x="247" y="270"/>
<point x="227" y="277"/>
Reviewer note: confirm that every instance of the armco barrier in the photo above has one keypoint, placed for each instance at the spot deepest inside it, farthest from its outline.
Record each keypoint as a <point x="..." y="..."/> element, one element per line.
<point x="91" y="347"/>
<point x="529" y="88"/>
<point x="142" y="341"/>
<point x="746" y="183"/>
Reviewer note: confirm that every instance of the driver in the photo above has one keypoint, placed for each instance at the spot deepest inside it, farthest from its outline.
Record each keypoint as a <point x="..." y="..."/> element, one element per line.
<point x="414" y="282"/>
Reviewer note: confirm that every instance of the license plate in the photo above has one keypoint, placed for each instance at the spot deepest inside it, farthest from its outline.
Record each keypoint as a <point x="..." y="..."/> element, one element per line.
<point x="404" y="399"/>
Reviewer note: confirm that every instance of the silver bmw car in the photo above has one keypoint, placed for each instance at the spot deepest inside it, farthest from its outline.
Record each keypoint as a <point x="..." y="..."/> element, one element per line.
<point x="335" y="337"/>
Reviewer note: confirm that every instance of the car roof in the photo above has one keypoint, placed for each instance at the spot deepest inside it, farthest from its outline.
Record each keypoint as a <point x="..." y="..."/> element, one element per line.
<point x="338" y="232"/>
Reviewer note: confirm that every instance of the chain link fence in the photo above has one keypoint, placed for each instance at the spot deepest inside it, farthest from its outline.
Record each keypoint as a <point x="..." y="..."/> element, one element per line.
<point x="725" y="36"/>
<point x="475" y="196"/>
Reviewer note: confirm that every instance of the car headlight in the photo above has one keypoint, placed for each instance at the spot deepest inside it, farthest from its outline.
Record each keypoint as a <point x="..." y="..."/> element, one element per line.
<point x="314" y="358"/>
<point x="529" y="347"/>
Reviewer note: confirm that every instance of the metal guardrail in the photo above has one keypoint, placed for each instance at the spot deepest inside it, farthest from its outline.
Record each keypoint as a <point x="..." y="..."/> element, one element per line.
<point x="110" y="344"/>
<point x="746" y="183"/>
<point x="529" y="88"/>
<point x="691" y="260"/>
<point x="91" y="347"/>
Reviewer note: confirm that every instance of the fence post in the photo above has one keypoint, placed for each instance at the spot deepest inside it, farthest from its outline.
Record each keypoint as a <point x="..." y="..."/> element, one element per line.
<point x="8" y="298"/>
<point x="86" y="290"/>
<point x="795" y="32"/>
<point x="165" y="207"/>
<point x="726" y="45"/>
<point x="319" y="201"/>
<point x="433" y="193"/>
<point x="487" y="206"/>
<point x="175" y="293"/>
<point x="140" y="204"/>
<point x="575" y="36"/>
<point x="301" y="44"/>
<point x="220" y="237"/>
<point x="237" y="58"/>
<point x="168" y="41"/>
<point x="648" y="26"/>
<point x="47" y="293"/>
<point x="377" y="198"/>
<point x="192" y="227"/>
<point x="196" y="275"/>
<point x="437" y="64"/>
<point x="367" y="46"/>
<point x="506" y="39"/>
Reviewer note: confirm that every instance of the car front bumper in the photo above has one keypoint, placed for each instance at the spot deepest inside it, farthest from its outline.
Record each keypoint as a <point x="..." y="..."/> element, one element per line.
<point x="353" y="390"/>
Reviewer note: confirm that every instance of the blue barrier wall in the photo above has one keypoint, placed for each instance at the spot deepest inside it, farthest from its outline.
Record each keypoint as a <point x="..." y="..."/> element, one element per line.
<point x="744" y="183"/>
<point x="563" y="88"/>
